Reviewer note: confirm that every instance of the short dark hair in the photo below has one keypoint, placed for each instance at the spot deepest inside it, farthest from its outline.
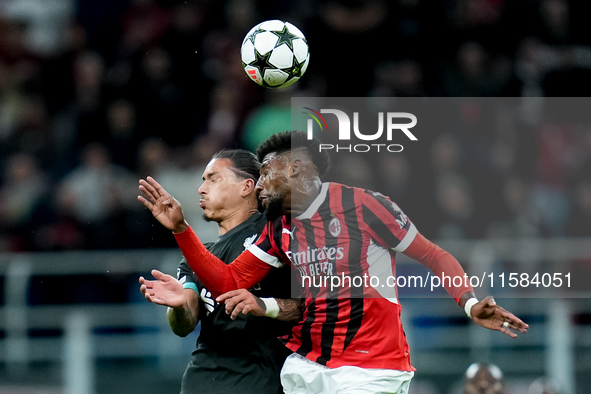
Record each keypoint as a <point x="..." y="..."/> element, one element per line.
<point x="288" y="140"/>
<point x="244" y="163"/>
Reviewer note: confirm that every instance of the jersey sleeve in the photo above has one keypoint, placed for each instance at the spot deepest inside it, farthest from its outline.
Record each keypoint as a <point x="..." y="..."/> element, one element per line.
<point x="386" y="222"/>
<point x="185" y="276"/>
<point x="219" y="278"/>
<point x="266" y="249"/>
<point x="442" y="263"/>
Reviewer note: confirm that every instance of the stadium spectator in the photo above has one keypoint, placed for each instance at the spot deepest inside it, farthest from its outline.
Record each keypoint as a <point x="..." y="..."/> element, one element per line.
<point x="364" y="23"/>
<point x="482" y="378"/>
<point x="122" y="136"/>
<point x="154" y="157"/>
<point x="456" y="204"/>
<point x="397" y="180"/>
<point x="144" y="23"/>
<point x="225" y="115"/>
<point x="57" y="225"/>
<point x="146" y="50"/>
<point x="404" y="78"/>
<point x="32" y="133"/>
<point x="472" y="74"/>
<point x="99" y="193"/>
<point x="21" y="195"/>
<point x="516" y="218"/>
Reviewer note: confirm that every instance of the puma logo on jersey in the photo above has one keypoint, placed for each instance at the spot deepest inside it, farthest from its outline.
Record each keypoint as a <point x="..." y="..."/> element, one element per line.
<point x="249" y="241"/>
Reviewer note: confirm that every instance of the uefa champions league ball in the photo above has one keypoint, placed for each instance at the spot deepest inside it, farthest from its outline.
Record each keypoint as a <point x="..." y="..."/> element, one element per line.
<point x="275" y="54"/>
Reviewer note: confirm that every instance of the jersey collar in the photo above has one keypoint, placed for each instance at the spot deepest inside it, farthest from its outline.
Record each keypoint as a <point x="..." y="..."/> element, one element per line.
<point x="316" y="203"/>
<point x="244" y="224"/>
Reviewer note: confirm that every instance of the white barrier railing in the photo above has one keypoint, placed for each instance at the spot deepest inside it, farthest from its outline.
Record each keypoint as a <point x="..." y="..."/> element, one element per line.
<point x="151" y="337"/>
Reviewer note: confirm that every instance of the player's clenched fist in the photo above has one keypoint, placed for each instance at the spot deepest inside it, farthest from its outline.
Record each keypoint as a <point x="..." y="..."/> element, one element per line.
<point x="165" y="208"/>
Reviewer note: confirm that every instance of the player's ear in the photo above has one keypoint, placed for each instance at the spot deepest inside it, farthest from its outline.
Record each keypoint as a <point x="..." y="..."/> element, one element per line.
<point x="296" y="168"/>
<point x="249" y="186"/>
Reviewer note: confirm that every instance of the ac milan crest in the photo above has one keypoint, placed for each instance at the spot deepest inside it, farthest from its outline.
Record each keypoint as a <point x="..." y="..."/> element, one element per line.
<point x="335" y="227"/>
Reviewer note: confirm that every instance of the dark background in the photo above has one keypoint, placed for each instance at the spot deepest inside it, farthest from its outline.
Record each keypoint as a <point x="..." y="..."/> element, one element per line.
<point x="95" y="94"/>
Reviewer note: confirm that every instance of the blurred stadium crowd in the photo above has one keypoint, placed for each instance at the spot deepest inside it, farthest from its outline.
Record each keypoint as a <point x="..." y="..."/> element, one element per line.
<point x="102" y="92"/>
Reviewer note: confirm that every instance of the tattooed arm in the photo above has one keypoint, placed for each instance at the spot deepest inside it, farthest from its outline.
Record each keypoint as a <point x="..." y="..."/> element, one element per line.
<point x="243" y="301"/>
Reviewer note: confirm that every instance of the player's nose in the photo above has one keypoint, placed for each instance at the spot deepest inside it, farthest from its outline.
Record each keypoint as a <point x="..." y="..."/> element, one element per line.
<point x="259" y="185"/>
<point x="202" y="189"/>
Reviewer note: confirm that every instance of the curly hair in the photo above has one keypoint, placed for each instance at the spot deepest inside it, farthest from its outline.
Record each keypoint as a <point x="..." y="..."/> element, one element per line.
<point x="287" y="140"/>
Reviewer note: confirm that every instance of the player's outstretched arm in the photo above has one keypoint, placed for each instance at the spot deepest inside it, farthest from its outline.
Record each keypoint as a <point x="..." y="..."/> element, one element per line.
<point x="215" y="275"/>
<point x="441" y="263"/>
<point x="488" y="314"/>
<point x="183" y="320"/>
<point x="183" y="305"/>
<point x="243" y="301"/>
<point x="244" y="272"/>
<point x="165" y="208"/>
<point x="168" y="211"/>
<point x="485" y="313"/>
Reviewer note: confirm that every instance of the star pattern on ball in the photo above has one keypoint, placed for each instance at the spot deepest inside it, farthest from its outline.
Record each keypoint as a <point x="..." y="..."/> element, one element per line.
<point x="285" y="37"/>
<point x="252" y="35"/>
<point x="296" y="69"/>
<point x="262" y="62"/>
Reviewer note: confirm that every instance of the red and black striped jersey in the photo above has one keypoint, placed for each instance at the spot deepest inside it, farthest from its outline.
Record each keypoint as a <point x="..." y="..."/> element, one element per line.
<point x="346" y="232"/>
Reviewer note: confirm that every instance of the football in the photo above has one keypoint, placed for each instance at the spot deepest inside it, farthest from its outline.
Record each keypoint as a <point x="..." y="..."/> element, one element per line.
<point x="275" y="54"/>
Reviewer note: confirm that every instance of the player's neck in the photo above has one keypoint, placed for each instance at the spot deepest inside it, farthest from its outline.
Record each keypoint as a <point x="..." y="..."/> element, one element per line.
<point x="305" y="196"/>
<point x="234" y="219"/>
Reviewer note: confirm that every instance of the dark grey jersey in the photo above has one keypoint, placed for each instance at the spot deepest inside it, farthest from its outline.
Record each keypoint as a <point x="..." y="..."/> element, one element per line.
<point x="241" y="355"/>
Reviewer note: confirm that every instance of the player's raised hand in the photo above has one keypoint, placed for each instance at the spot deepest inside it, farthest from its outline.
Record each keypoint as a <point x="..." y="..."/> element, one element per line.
<point x="165" y="290"/>
<point x="488" y="314"/>
<point x="165" y="208"/>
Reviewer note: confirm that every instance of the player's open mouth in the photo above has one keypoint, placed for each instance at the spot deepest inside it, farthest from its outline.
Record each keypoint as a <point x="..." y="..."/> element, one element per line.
<point x="201" y="203"/>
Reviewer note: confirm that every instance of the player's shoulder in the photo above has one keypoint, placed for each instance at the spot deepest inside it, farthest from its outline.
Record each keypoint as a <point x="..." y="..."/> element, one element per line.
<point x="373" y="195"/>
<point x="374" y="200"/>
<point x="333" y="187"/>
<point x="359" y="194"/>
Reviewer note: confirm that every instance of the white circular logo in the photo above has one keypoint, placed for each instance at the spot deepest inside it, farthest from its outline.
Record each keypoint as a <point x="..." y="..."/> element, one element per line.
<point x="335" y="227"/>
